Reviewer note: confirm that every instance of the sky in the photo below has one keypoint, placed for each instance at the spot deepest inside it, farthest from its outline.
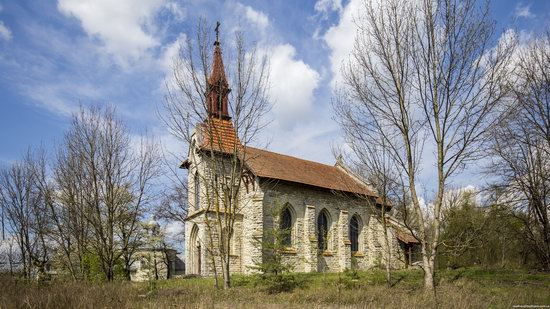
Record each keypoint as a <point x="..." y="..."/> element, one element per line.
<point x="56" y="56"/>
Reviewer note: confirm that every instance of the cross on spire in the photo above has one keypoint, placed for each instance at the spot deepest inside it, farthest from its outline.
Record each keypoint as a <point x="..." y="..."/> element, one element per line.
<point x="217" y="32"/>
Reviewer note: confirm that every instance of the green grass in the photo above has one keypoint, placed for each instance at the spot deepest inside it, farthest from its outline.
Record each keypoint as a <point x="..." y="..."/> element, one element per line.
<point x="460" y="288"/>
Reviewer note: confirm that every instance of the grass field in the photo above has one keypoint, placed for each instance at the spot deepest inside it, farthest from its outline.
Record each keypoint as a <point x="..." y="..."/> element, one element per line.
<point x="462" y="288"/>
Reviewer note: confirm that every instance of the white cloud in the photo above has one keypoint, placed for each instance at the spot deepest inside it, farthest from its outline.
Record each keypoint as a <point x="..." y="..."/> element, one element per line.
<point x="124" y="27"/>
<point x="256" y="17"/>
<point x="59" y="97"/>
<point x="170" y="52"/>
<point x="176" y="10"/>
<point x="308" y="140"/>
<point x="326" y="6"/>
<point x="5" y="32"/>
<point x="524" y="11"/>
<point x="292" y="85"/>
<point x="340" y="39"/>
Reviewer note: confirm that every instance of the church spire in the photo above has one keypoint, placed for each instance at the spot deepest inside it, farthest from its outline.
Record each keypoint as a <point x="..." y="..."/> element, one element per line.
<point x="218" y="88"/>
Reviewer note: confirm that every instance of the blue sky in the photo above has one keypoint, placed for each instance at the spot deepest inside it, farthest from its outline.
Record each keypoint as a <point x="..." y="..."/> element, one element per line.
<point x="58" y="55"/>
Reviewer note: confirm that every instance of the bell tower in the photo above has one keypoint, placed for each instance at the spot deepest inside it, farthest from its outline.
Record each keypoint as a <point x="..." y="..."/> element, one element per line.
<point x="218" y="88"/>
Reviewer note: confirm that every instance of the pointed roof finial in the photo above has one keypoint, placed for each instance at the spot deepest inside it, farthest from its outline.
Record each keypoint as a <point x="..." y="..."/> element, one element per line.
<point x="217" y="33"/>
<point x="340" y="160"/>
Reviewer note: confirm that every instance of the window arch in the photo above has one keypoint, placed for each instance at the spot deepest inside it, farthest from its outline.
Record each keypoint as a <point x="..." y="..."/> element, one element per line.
<point x="194" y="247"/>
<point x="285" y="225"/>
<point x="323" y="228"/>
<point x="197" y="191"/>
<point x="355" y="232"/>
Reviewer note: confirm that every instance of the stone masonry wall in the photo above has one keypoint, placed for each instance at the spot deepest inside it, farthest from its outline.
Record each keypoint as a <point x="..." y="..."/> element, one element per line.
<point x="307" y="203"/>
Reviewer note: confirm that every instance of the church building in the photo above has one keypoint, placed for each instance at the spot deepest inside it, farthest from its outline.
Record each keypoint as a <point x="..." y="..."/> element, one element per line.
<point x="332" y="215"/>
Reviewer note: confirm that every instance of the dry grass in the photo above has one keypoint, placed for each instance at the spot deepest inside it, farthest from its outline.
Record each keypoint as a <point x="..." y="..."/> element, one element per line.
<point x="472" y="288"/>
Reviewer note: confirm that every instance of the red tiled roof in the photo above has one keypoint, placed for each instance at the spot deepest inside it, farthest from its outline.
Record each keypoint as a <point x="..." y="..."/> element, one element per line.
<point x="405" y="237"/>
<point x="273" y="165"/>
<point x="401" y="232"/>
<point x="219" y="135"/>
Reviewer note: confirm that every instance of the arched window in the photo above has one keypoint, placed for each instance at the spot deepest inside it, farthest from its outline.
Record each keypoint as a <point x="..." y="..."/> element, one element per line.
<point x="197" y="191"/>
<point x="354" y="230"/>
<point x="285" y="225"/>
<point x="322" y="231"/>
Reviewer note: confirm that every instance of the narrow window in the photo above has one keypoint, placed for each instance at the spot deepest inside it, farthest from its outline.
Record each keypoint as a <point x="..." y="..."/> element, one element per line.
<point x="322" y="231"/>
<point x="197" y="191"/>
<point x="220" y="97"/>
<point x="354" y="233"/>
<point x="220" y="105"/>
<point x="286" y="227"/>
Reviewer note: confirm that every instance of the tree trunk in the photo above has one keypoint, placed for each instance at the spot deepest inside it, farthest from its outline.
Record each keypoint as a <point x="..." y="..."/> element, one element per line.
<point x="388" y="250"/>
<point x="127" y="271"/>
<point x="110" y="275"/>
<point x="428" y="267"/>
<point x="226" y="274"/>
<point x="216" y="280"/>
<point x="388" y="271"/>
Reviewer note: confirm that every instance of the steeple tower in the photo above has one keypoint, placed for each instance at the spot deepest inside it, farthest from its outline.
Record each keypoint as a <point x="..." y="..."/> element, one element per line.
<point x="218" y="88"/>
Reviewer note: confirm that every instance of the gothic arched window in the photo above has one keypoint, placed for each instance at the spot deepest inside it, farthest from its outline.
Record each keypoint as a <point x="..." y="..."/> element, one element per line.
<point x="322" y="231"/>
<point x="354" y="230"/>
<point x="197" y="191"/>
<point x="286" y="227"/>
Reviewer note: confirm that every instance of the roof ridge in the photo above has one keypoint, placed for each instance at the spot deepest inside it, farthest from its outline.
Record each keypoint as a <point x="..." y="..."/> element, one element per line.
<point x="289" y="156"/>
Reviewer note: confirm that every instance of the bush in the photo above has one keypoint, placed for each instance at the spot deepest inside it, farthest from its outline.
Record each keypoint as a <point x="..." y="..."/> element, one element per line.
<point x="278" y="283"/>
<point x="243" y="280"/>
<point x="271" y="283"/>
<point x="350" y="278"/>
<point x="91" y="265"/>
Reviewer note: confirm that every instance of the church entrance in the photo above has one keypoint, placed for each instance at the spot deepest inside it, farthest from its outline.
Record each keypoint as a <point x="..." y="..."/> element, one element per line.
<point x="195" y="251"/>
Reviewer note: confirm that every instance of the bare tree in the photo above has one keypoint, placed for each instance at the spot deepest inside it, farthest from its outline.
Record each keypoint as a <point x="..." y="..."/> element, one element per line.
<point x="521" y="145"/>
<point x="424" y="73"/>
<point x="69" y="213"/>
<point x="24" y="203"/>
<point x="218" y="120"/>
<point x="68" y="210"/>
<point x="107" y="182"/>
